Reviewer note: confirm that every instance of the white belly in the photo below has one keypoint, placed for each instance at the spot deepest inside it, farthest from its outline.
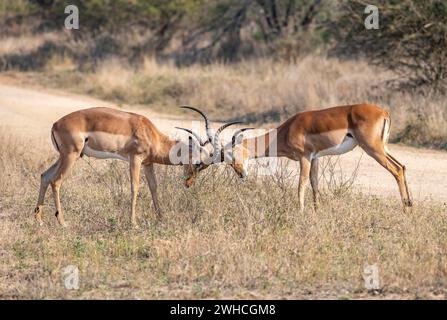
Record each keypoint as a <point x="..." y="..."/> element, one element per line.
<point x="103" y="145"/>
<point x="102" y="154"/>
<point x="347" y="145"/>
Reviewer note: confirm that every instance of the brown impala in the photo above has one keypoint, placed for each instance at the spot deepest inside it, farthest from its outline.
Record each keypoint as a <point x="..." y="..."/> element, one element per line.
<point x="108" y="133"/>
<point x="309" y="135"/>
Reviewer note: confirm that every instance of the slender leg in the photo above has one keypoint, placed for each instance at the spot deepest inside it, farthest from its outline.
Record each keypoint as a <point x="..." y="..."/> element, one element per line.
<point x="304" y="178"/>
<point x="152" y="181"/>
<point x="402" y="181"/>
<point x="45" y="179"/>
<point x="395" y="168"/>
<point x="375" y="146"/>
<point x="65" y="163"/>
<point x="135" y="168"/>
<point x="314" y="181"/>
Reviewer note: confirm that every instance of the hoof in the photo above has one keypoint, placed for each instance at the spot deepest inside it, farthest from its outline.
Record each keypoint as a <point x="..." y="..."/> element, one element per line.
<point x="39" y="220"/>
<point x="61" y="221"/>
<point x="408" y="205"/>
<point x="407" y="210"/>
<point x="38" y="215"/>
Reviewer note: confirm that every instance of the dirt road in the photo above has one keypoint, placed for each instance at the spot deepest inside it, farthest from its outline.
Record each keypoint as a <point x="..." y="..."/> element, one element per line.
<point x="31" y="112"/>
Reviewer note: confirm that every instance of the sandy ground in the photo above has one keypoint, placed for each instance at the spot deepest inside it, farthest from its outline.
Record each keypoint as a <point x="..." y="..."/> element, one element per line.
<point x="31" y="112"/>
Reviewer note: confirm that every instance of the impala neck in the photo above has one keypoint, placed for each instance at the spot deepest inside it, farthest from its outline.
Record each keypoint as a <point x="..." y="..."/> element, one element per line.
<point x="161" y="155"/>
<point x="266" y="145"/>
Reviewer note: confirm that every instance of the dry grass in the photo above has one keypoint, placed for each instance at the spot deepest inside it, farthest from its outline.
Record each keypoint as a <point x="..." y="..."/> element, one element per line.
<point x="26" y="44"/>
<point x="222" y="238"/>
<point x="259" y="91"/>
<point x="253" y="89"/>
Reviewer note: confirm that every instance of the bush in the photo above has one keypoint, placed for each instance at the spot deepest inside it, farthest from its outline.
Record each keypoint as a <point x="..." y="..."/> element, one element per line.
<point x="411" y="40"/>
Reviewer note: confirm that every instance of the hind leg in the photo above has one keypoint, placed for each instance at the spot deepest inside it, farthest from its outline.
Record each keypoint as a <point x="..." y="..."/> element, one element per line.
<point x="395" y="168"/>
<point x="372" y="138"/>
<point x="45" y="179"/>
<point x="66" y="162"/>
<point x="403" y="185"/>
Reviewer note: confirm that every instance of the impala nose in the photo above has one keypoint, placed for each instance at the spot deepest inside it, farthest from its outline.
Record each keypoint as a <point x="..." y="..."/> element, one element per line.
<point x="189" y="182"/>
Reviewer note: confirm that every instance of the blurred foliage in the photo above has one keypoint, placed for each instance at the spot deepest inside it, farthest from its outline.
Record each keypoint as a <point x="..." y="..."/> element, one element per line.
<point x="253" y="27"/>
<point x="411" y="40"/>
<point x="114" y="15"/>
<point x="15" y="7"/>
<point x="208" y="29"/>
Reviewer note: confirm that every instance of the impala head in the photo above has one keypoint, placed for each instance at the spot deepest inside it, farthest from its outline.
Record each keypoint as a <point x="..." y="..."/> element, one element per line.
<point x="197" y="155"/>
<point x="198" y="152"/>
<point x="236" y="154"/>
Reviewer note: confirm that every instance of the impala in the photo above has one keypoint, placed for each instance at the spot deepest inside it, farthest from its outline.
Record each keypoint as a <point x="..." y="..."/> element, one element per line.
<point x="309" y="135"/>
<point x="108" y="133"/>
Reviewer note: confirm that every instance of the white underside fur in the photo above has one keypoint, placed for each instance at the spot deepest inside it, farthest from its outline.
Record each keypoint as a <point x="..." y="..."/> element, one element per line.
<point x="102" y="154"/>
<point x="347" y="145"/>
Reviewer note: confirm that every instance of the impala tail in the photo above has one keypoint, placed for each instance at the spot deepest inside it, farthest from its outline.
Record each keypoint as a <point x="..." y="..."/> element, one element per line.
<point x="53" y="139"/>
<point x="386" y="128"/>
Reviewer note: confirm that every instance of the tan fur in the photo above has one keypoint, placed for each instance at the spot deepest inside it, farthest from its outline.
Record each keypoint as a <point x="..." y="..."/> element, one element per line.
<point x="309" y="134"/>
<point x="106" y="133"/>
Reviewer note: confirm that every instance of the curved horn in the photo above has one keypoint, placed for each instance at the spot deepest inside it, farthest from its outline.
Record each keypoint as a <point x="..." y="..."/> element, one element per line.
<point x="216" y="141"/>
<point x="207" y="122"/>
<point x="195" y="135"/>
<point x="236" y="135"/>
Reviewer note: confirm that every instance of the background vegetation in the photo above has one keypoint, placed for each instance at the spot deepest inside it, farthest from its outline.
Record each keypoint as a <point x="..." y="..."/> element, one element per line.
<point x="259" y="50"/>
<point x="260" y="60"/>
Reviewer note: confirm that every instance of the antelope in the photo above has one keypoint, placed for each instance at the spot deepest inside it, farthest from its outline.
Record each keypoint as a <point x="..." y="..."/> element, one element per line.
<point x="106" y="133"/>
<point x="309" y="135"/>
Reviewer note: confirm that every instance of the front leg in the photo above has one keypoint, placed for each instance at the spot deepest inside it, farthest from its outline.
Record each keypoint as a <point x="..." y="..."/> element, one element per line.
<point x="152" y="182"/>
<point x="135" y="168"/>
<point x="304" y="178"/>
<point x="314" y="181"/>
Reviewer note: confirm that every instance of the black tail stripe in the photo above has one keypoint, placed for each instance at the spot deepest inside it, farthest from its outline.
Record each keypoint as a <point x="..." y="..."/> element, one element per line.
<point x="55" y="142"/>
